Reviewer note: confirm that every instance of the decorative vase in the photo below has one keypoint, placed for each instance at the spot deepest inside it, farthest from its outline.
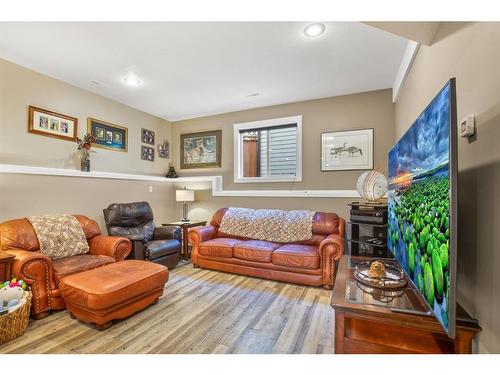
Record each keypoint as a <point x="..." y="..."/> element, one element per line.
<point x="85" y="165"/>
<point x="371" y="185"/>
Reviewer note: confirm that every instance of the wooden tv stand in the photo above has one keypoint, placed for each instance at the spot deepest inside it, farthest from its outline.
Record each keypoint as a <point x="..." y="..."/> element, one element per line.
<point x="364" y="324"/>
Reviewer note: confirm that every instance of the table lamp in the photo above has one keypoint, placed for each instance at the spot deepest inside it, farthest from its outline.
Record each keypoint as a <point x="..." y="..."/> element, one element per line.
<point x="184" y="196"/>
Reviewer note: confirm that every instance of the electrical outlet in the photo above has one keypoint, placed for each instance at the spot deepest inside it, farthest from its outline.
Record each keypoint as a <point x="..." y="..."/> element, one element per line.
<point x="150" y="189"/>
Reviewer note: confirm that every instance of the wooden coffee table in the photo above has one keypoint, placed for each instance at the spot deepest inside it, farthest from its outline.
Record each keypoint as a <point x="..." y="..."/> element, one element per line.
<point x="185" y="225"/>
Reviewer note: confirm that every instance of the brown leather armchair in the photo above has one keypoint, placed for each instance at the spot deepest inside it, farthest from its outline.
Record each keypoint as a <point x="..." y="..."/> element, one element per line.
<point x="43" y="274"/>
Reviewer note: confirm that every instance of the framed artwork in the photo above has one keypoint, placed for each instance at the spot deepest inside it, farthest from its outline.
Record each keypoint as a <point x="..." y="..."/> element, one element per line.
<point x="148" y="136"/>
<point x="164" y="150"/>
<point x="147" y="153"/>
<point x="107" y="135"/>
<point x="347" y="150"/>
<point x="52" y="124"/>
<point x="201" y="150"/>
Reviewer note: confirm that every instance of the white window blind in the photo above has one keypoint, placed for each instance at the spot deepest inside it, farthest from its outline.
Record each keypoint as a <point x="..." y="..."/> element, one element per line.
<point x="278" y="151"/>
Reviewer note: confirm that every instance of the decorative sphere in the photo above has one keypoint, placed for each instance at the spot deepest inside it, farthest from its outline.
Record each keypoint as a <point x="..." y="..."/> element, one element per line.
<point x="372" y="185"/>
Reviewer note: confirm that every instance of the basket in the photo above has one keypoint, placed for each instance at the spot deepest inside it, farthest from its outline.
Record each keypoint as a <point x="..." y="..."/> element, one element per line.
<point x="14" y="324"/>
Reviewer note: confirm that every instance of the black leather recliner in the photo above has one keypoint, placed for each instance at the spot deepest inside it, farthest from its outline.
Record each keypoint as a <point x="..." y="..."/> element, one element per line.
<point x="135" y="221"/>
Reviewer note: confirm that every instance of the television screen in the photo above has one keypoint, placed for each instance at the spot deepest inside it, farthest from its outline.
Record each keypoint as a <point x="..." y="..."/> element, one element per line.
<point x="422" y="211"/>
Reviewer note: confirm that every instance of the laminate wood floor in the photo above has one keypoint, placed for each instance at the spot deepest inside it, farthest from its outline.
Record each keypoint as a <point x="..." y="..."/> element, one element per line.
<point x="201" y="311"/>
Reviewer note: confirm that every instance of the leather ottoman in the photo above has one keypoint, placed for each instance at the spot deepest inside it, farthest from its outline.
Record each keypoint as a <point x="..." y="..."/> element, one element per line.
<point x="114" y="291"/>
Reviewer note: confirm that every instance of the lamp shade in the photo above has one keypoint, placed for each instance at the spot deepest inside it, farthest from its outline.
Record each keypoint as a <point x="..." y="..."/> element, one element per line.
<point x="184" y="195"/>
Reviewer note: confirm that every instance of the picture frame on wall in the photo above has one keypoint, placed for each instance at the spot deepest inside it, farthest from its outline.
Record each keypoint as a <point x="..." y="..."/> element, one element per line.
<point x="164" y="150"/>
<point x="148" y="136"/>
<point x="147" y="153"/>
<point x="201" y="149"/>
<point x="347" y="150"/>
<point x="108" y="136"/>
<point x="52" y="124"/>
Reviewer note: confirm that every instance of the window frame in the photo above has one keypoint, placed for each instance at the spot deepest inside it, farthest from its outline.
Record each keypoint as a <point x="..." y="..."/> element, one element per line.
<point x="238" y="146"/>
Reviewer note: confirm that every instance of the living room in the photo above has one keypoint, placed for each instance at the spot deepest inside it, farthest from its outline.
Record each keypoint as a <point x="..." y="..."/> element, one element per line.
<point x="214" y="170"/>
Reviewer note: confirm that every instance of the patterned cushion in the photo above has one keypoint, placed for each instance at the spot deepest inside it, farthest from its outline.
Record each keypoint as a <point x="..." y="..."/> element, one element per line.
<point x="59" y="236"/>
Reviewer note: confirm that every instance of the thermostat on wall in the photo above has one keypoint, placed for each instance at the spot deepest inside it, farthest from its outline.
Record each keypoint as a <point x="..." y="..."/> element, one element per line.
<point x="467" y="126"/>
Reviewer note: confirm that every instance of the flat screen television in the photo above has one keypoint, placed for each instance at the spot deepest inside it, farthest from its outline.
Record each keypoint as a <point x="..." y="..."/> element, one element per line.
<point x="422" y="199"/>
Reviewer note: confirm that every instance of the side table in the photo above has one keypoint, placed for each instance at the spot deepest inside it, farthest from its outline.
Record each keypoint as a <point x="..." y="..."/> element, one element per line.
<point x="365" y="323"/>
<point x="6" y="262"/>
<point x="185" y="225"/>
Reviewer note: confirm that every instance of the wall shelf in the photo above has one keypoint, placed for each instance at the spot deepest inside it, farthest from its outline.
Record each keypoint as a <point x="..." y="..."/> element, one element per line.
<point x="216" y="181"/>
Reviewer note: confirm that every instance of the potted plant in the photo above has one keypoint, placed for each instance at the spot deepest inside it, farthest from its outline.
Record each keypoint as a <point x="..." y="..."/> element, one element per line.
<point x="84" y="149"/>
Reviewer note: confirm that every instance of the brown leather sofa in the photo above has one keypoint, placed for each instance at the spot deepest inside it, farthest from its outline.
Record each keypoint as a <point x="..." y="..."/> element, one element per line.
<point x="43" y="274"/>
<point x="311" y="262"/>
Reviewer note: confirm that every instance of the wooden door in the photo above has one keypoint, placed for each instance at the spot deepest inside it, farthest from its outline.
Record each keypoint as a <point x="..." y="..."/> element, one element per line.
<point x="250" y="157"/>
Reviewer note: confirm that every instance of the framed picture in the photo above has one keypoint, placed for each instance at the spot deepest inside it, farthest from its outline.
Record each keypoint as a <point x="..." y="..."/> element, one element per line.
<point x="347" y="150"/>
<point x="107" y="135"/>
<point x="52" y="124"/>
<point x="148" y="136"/>
<point x="201" y="150"/>
<point x="147" y="153"/>
<point x="164" y="150"/>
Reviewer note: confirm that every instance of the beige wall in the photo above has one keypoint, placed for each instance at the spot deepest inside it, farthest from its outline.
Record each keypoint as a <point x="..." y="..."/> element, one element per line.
<point x="471" y="53"/>
<point x="365" y="110"/>
<point x="24" y="195"/>
<point x="29" y="194"/>
<point x="21" y="87"/>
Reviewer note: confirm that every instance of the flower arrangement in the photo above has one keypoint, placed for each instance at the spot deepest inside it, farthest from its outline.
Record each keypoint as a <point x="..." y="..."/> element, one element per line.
<point x="85" y="146"/>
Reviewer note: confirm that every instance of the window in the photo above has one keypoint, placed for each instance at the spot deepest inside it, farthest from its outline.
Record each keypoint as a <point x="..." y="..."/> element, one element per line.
<point x="268" y="151"/>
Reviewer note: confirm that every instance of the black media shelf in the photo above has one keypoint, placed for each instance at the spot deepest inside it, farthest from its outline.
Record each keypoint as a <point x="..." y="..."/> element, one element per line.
<point x="370" y="225"/>
<point x="368" y="221"/>
<point x="363" y="240"/>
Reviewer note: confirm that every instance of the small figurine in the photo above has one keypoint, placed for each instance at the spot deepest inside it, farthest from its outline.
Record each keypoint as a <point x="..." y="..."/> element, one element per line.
<point x="171" y="172"/>
<point x="377" y="269"/>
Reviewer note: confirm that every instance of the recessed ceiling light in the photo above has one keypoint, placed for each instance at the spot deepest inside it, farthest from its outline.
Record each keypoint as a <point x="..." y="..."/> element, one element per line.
<point x="254" y="94"/>
<point x="314" y="29"/>
<point x="131" y="81"/>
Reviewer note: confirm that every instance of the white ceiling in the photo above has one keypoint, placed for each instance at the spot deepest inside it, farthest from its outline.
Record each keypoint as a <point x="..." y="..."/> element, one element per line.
<point x="193" y="69"/>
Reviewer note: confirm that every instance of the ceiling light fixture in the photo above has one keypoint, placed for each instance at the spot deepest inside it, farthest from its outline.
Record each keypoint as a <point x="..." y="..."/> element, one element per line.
<point x="314" y="30"/>
<point x="131" y="81"/>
